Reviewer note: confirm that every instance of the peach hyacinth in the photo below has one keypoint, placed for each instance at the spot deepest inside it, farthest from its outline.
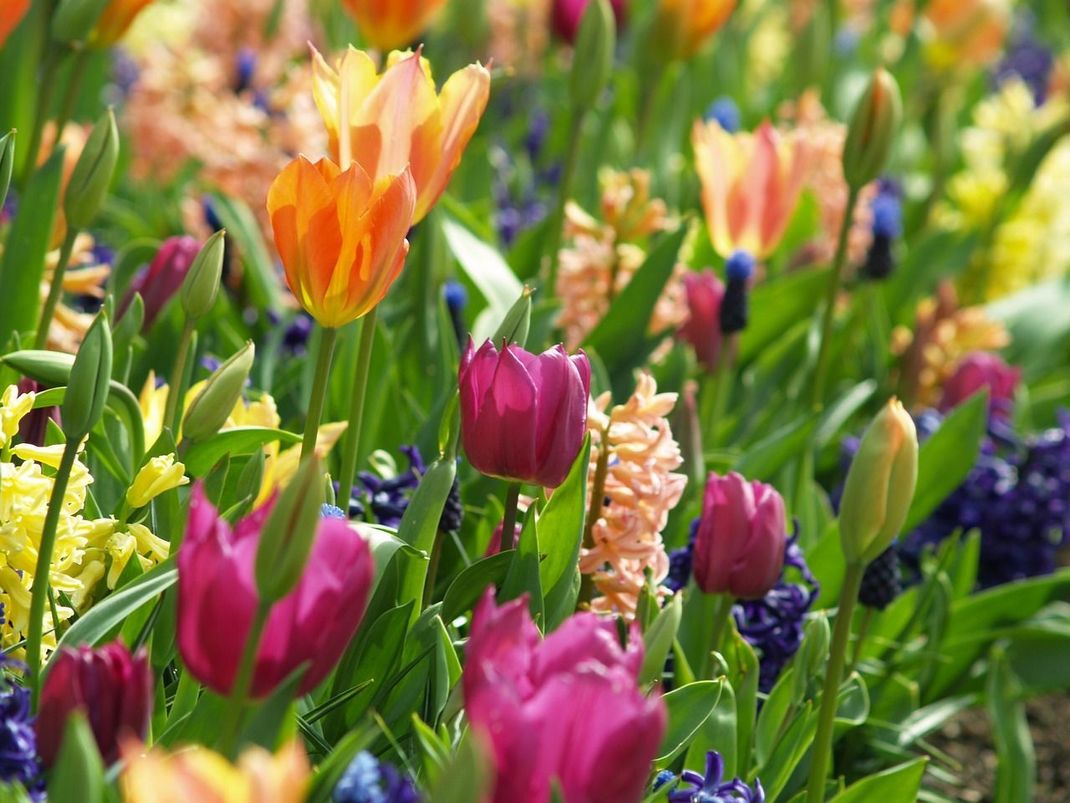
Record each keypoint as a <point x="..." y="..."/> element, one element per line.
<point x="392" y="24"/>
<point x="750" y="185"/>
<point x="397" y="119"/>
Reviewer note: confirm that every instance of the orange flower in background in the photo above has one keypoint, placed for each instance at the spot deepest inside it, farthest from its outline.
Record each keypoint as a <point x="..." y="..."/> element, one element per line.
<point x="11" y="14"/>
<point x="392" y="24"/>
<point x="340" y="235"/>
<point x="750" y="185"/>
<point x="397" y="119"/>
<point x="682" y="27"/>
<point x="965" y="32"/>
<point x="117" y="17"/>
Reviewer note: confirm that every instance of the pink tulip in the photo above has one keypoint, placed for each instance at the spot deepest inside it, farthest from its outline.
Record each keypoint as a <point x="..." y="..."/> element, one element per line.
<point x="568" y="14"/>
<point x="741" y="538"/>
<point x="217" y="598"/>
<point x="523" y="417"/>
<point x="564" y="709"/>
<point x="159" y="282"/>
<point x="112" y="688"/>
<point x="702" y="330"/>
<point x="978" y="370"/>
<point x="750" y="185"/>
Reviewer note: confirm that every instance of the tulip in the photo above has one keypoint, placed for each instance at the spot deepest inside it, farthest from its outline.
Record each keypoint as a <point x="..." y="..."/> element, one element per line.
<point x="965" y="32"/>
<point x="11" y="14"/>
<point x="568" y="13"/>
<point x="397" y="119"/>
<point x="523" y="416"/>
<point x="977" y="371"/>
<point x="217" y="599"/>
<point x="750" y="185"/>
<point x="392" y="24"/>
<point x="880" y="485"/>
<point x="682" y="27"/>
<point x="116" y="19"/>
<point x="872" y="130"/>
<point x="702" y="330"/>
<point x="565" y="710"/>
<point x="159" y="282"/>
<point x="340" y="235"/>
<point x="741" y="538"/>
<point x="111" y="687"/>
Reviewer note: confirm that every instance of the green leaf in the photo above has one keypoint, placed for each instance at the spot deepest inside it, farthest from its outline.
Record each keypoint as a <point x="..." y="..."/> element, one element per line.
<point x="419" y="526"/>
<point x="523" y="575"/>
<point x="688" y="707"/>
<point x="718" y="733"/>
<point x="895" y="785"/>
<point x="764" y="459"/>
<point x="260" y="280"/>
<point x="489" y="272"/>
<point x="658" y="640"/>
<point x="1016" y="770"/>
<point x="78" y="773"/>
<point x="777" y="305"/>
<point x="202" y="455"/>
<point x="330" y="771"/>
<point x="467" y="777"/>
<point x="466" y="589"/>
<point x="560" y="532"/>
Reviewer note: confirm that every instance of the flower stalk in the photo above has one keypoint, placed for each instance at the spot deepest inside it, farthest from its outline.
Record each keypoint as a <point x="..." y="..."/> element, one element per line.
<point x="324" y="353"/>
<point x="351" y="445"/>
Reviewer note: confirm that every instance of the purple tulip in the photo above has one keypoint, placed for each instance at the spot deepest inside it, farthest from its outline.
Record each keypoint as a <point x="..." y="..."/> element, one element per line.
<point x="978" y="370"/>
<point x="741" y="538"/>
<point x="702" y="330"/>
<point x="566" y="709"/>
<point x="159" y="282"/>
<point x="217" y="599"/>
<point x="568" y="14"/>
<point x="523" y="417"/>
<point x="111" y="687"/>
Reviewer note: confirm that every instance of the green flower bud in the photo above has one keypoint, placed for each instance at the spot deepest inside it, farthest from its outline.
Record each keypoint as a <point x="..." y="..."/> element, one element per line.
<point x="201" y="284"/>
<point x="7" y="162"/>
<point x="92" y="173"/>
<point x="210" y="410"/>
<point x="872" y="130"/>
<point x="288" y="533"/>
<point x="75" y="19"/>
<point x="592" y="63"/>
<point x="880" y="485"/>
<point x="87" y="388"/>
<point x="514" y="326"/>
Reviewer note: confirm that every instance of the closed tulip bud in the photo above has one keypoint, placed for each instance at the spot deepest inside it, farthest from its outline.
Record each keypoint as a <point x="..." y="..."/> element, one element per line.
<point x="159" y="475"/>
<point x="287" y="536"/>
<point x="165" y="275"/>
<point x="682" y="27"/>
<point x="523" y="416"/>
<point x="741" y="538"/>
<point x="87" y="388"/>
<point x="213" y="405"/>
<point x="514" y="327"/>
<point x="593" y="62"/>
<point x="111" y="687"/>
<point x="91" y="178"/>
<point x="392" y="24"/>
<point x="880" y="485"/>
<point x="872" y="130"/>
<point x="201" y="285"/>
<point x="567" y="15"/>
<point x="7" y="162"/>
<point x="702" y="329"/>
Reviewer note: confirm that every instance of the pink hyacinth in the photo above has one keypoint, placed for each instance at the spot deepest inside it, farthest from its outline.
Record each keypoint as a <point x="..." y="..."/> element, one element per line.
<point x="702" y="330"/>
<point x="566" y="709"/>
<point x="978" y="370"/>
<point x="741" y="538"/>
<point x="217" y="599"/>
<point x="568" y="14"/>
<point x="523" y="416"/>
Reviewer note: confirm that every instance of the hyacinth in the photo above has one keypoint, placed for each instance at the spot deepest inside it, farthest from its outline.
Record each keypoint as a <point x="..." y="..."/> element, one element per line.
<point x="522" y="183"/>
<point x="90" y="554"/>
<point x="384" y="495"/>
<point x="18" y="742"/>
<point x="368" y="780"/>
<point x="1028" y="59"/>
<point x="601" y="257"/>
<point x="636" y="445"/>
<point x="943" y="334"/>
<point x="691" y="787"/>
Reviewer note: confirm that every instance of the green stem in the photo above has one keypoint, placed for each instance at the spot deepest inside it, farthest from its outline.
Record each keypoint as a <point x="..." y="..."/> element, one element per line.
<point x="178" y="375"/>
<point x="243" y="681"/>
<point x="817" y="390"/>
<point x="722" y="610"/>
<point x="44" y="564"/>
<point x="512" y="500"/>
<point x="822" y="753"/>
<point x="557" y="223"/>
<point x="55" y="289"/>
<point x="44" y="108"/>
<point x="324" y="353"/>
<point x="594" y="511"/>
<point x="432" y="566"/>
<point x="720" y="376"/>
<point x="356" y="410"/>
<point x="74" y="83"/>
<point x="860" y="639"/>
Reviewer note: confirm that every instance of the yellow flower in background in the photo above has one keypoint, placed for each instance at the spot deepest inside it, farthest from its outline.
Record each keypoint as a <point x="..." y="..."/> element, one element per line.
<point x="280" y="467"/>
<point x="964" y="33"/>
<point x="153" y="404"/>
<point x="159" y="475"/>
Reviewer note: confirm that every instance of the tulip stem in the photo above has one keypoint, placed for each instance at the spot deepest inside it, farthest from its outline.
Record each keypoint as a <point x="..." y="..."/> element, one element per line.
<point x="817" y="390"/>
<point x="44" y="565"/>
<point x="557" y="222"/>
<point x="594" y="512"/>
<point x="70" y="96"/>
<point x="722" y="611"/>
<point x="852" y="581"/>
<point x="512" y="500"/>
<point x="324" y="353"/>
<point x="243" y="681"/>
<point x="41" y="113"/>
<point x="178" y="377"/>
<point x="55" y="289"/>
<point x="432" y="566"/>
<point x="356" y="410"/>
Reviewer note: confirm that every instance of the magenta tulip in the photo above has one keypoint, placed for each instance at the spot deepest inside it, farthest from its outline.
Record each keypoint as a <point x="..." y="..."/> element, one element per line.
<point x="523" y="417"/>
<point x="741" y="538"/>
<point x="112" y="689"/>
<point x="702" y="330"/>
<point x="217" y="599"/>
<point x="568" y="13"/>
<point x="159" y="282"/>
<point x="566" y="709"/>
<point x="978" y="370"/>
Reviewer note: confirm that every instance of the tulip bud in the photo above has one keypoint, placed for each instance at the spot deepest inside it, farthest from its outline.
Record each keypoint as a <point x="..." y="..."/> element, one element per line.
<point x="286" y="540"/>
<point x="593" y="63"/>
<point x="567" y="15"/>
<point x="157" y="476"/>
<point x="702" y="330"/>
<point x="210" y="410"/>
<point x="7" y="162"/>
<point x="514" y="326"/>
<point x="87" y="388"/>
<point x="880" y="485"/>
<point x="872" y="129"/>
<point x="89" y="182"/>
<point x="159" y="282"/>
<point x="202" y="280"/>
<point x="74" y="19"/>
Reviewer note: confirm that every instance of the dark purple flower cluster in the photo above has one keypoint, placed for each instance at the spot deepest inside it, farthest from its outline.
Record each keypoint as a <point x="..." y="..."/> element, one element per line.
<point x="383" y="500"/>
<point x="520" y="183"/>
<point x="1026" y="58"/>
<point x="18" y="742"/>
<point x="368" y="780"/>
<point x="690" y="787"/>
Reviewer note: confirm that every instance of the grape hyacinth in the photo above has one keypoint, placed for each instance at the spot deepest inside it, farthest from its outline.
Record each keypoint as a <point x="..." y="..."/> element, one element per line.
<point x="887" y="227"/>
<point x="383" y="500"/>
<point x="725" y="111"/>
<point x="368" y="780"/>
<point x="520" y="184"/>
<point x="881" y="583"/>
<point x="691" y="787"/>
<point x="1027" y="58"/>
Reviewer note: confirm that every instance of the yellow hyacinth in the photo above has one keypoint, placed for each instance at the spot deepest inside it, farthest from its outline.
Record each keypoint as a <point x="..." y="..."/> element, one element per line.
<point x="160" y="474"/>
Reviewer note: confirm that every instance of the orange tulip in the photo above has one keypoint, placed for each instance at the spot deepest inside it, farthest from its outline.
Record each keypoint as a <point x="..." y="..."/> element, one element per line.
<point x="965" y="32"/>
<point x="11" y="14"/>
<point x="682" y="27"/>
<point x="341" y="235"/>
<point x="117" y="17"/>
<point x="392" y="24"/>
<point x="750" y="185"/>
<point x="397" y="119"/>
